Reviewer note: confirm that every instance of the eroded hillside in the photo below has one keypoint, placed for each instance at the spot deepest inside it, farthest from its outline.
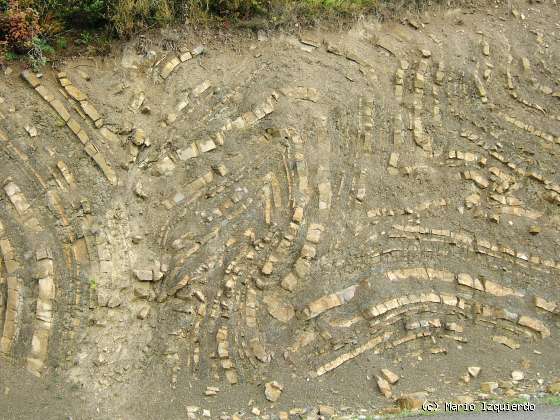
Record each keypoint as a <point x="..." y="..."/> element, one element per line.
<point x="282" y="224"/>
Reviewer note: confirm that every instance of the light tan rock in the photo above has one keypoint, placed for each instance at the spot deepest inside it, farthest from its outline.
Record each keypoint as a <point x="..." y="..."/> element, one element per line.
<point x="298" y="215"/>
<point x="60" y="110"/>
<point x="90" y="111"/>
<point x="308" y="251"/>
<point x="472" y="200"/>
<point x="189" y="152"/>
<point x="499" y="290"/>
<point x="267" y="268"/>
<point x="474" y="371"/>
<point x="198" y="50"/>
<point x="317" y="307"/>
<point x="544" y="304"/>
<point x="108" y="135"/>
<point x="485" y="48"/>
<point x="220" y="169"/>
<point x="143" y="312"/>
<point x="30" y="78"/>
<point x="413" y="401"/>
<point x="327" y="411"/>
<point x="394" y="160"/>
<point x="201" y="88"/>
<point x="534" y="324"/>
<point x="75" y="93"/>
<point x="391" y="377"/>
<point x="508" y="342"/>
<point x="384" y="387"/>
<point x="302" y="268"/>
<point x="278" y="309"/>
<point x="314" y="233"/>
<point x="83" y="137"/>
<point x="32" y="131"/>
<point x="534" y="229"/>
<point x="273" y="391"/>
<point x="169" y="67"/>
<point x="526" y="64"/>
<point x="488" y="387"/>
<point x="211" y="391"/>
<point x="144" y="275"/>
<point x="289" y="282"/>
<point x="206" y="145"/>
<point x="259" y="351"/>
<point x="44" y="93"/>
<point x="164" y="167"/>
<point x="517" y="375"/>
<point x="185" y="56"/>
<point x="74" y="126"/>
<point x="554" y="388"/>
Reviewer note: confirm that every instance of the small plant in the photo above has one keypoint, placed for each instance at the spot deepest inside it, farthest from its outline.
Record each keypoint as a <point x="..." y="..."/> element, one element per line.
<point x="61" y="43"/>
<point x="39" y="52"/>
<point x="101" y="45"/>
<point x="10" y="56"/>
<point x="85" y="38"/>
<point x="92" y="284"/>
<point x="43" y="46"/>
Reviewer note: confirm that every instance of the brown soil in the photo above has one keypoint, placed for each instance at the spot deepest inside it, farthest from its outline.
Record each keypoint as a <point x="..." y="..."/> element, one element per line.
<point x="164" y="252"/>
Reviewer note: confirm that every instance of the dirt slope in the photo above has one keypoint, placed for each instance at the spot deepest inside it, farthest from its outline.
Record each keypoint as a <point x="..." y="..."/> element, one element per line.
<point x="276" y="221"/>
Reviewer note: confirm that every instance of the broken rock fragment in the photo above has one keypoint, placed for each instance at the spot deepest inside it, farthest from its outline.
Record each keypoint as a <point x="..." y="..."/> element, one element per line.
<point x="508" y="342"/>
<point x="143" y="312"/>
<point x="488" y="387"/>
<point x="259" y="351"/>
<point x="144" y="275"/>
<point x="273" y="391"/>
<point x="384" y="387"/>
<point x="32" y="131"/>
<point x="413" y="401"/>
<point x="280" y="310"/>
<point x="474" y="371"/>
<point x="517" y="375"/>
<point x="164" y="167"/>
<point x="391" y="377"/>
<point x="554" y="388"/>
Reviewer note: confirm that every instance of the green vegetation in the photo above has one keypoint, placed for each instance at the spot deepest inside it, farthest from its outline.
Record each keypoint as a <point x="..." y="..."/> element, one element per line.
<point x="29" y="27"/>
<point x="552" y="400"/>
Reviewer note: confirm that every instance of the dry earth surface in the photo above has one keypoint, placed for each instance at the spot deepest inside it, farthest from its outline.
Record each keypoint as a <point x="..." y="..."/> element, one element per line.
<point x="338" y="222"/>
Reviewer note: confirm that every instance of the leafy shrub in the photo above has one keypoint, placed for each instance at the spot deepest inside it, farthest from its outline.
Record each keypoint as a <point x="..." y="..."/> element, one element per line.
<point x="18" y="26"/>
<point x="38" y="53"/>
<point x="75" y="13"/>
<point x="22" y="21"/>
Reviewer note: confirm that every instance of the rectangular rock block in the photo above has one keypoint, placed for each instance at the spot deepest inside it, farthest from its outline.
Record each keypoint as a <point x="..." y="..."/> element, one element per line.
<point x="44" y="93"/>
<point x="169" y="67"/>
<point x="90" y="111"/>
<point x="30" y="78"/>
<point x="74" y="126"/>
<point x="75" y="93"/>
<point x="534" y="324"/>
<point x="60" y="110"/>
